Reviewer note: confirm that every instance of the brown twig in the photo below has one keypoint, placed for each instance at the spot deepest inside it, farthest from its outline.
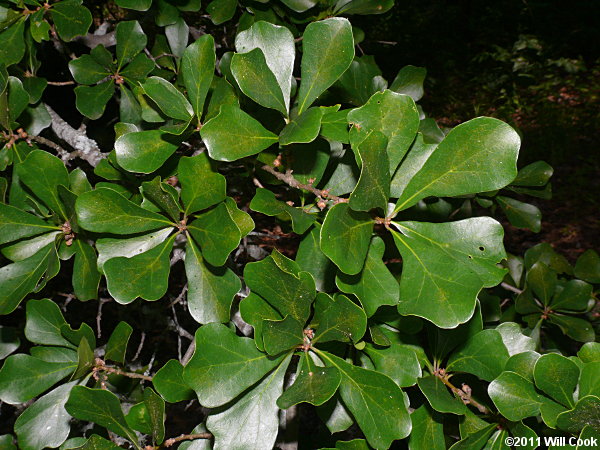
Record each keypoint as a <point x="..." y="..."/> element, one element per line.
<point x="61" y="83"/>
<point x="100" y="366"/>
<point x="508" y="287"/>
<point x="186" y="437"/>
<point x="289" y="179"/>
<point x="464" y="394"/>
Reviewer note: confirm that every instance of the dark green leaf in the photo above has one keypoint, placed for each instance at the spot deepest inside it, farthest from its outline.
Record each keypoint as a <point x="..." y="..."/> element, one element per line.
<point x="166" y="96"/>
<point x="302" y="129"/>
<point x="439" y="397"/>
<point x="409" y="81"/>
<point x="534" y="174"/>
<point x="515" y="396"/>
<point x="144" y="151"/>
<point x="427" y="431"/>
<point x="23" y="377"/>
<point x="101" y="407"/>
<point x="345" y="237"/>
<point x="574" y="296"/>
<point x="201" y="185"/>
<point x="9" y="341"/>
<point x="169" y="383"/>
<point x="12" y="43"/>
<point x="455" y="260"/>
<point x="91" y="100"/>
<point x="156" y="411"/>
<point x="211" y="290"/>
<point x="360" y="81"/>
<point x="265" y="202"/>
<point x="197" y="68"/>
<point x="104" y="210"/>
<point x="585" y="413"/>
<point x="484" y="355"/>
<point x="158" y="193"/>
<point x="338" y="318"/>
<point x="588" y="267"/>
<point x="328" y="50"/>
<point x="234" y="134"/>
<point x="311" y="259"/>
<point x="145" y="275"/>
<point x="116" y="347"/>
<point x="86" y="277"/>
<point x="557" y="376"/>
<point x="16" y="224"/>
<point x="71" y="19"/>
<point x="520" y="214"/>
<point x="399" y="362"/>
<point x="44" y="322"/>
<point x="130" y="41"/>
<point x="281" y="335"/>
<point x="224" y="365"/>
<point x="221" y="10"/>
<point x="589" y="381"/>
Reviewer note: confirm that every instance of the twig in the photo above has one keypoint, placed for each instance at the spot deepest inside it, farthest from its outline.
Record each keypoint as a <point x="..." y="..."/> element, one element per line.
<point x="188" y="353"/>
<point x="187" y="437"/>
<point x="60" y="83"/>
<point x="464" y="394"/>
<point x="85" y="148"/>
<point x="288" y="179"/>
<point x="139" y="349"/>
<point x="508" y="287"/>
<point x="102" y="367"/>
<point x="62" y="153"/>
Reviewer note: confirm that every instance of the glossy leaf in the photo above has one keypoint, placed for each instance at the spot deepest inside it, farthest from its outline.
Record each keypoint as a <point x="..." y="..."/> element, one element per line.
<point x="101" y="407"/>
<point x="534" y="174"/>
<point x="23" y="377"/>
<point x="281" y="335"/>
<point x="162" y="196"/>
<point x="251" y="422"/>
<point x="104" y="210"/>
<point x="338" y="318"/>
<point x="588" y="267"/>
<point x="169" y="383"/>
<point x="556" y="376"/>
<point x="224" y="365"/>
<point x="375" y="401"/>
<point x="374" y="286"/>
<point x="345" y="237"/>
<point x="514" y="396"/>
<point x="211" y="290"/>
<point x="585" y="413"/>
<point x="392" y="114"/>
<point x="116" y="347"/>
<point x="277" y="45"/>
<point x="454" y="260"/>
<point x="302" y="129"/>
<point x="145" y="275"/>
<point x="197" y="68"/>
<point x="130" y="41"/>
<point x="86" y="277"/>
<point x="156" y="412"/>
<point x="484" y="355"/>
<point x="328" y="50"/>
<point x="399" y="362"/>
<point x="409" y="81"/>
<point x="201" y="185"/>
<point x="246" y="138"/>
<point x="439" y="396"/>
<point x="16" y="224"/>
<point x="520" y="214"/>
<point x="44" y="322"/>
<point x="427" y="431"/>
<point x="144" y="151"/>
<point x="477" y="156"/>
<point x="265" y="202"/>
<point x="71" y="19"/>
<point x="91" y="100"/>
<point x="166" y="96"/>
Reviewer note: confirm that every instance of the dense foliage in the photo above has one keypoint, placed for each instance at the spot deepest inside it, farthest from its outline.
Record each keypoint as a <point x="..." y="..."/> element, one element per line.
<point x="395" y="315"/>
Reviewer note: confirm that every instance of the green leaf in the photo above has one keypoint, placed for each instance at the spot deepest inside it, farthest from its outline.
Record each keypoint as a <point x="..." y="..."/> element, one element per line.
<point x="96" y="442"/>
<point x="12" y="43"/>
<point x="484" y="355"/>
<point x="131" y="40"/>
<point x="328" y="50"/>
<point x="289" y="292"/>
<point x="229" y="143"/>
<point x="144" y="151"/>
<point x="101" y="407"/>
<point x="18" y="98"/>
<point x="477" y="156"/>
<point x="86" y="277"/>
<point x="374" y="285"/>
<point x="302" y="129"/>
<point x="545" y="253"/>
<point x="116" y="347"/>
<point x="534" y="174"/>
<point x="299" y="5"/>
<point x="16" y="224"/>
<point x="105" y="210"/>
<point x="454" y="260"/>
<point x="221" y="10"/>
<point x="313" y="384"/>
<point x="375" y="401"/>
<point x="156" y="411"/>
<point x="427" y="430"/>
<point x="392" y="114"/>
<point x="363" y="6"/>
<point x="225" y="366"/>
<point x="20" y="278"/>
<point x="589" y="352"/>
<point x="9" y="341"/>
<point x="338" y="319"/>
<point x="160" y="194"/>
<point x="211" y="290"/>
<point x="277" y="45"/>
<point x="574" y="296"/>
<point x="557" y="376"/>
<point x="201" y="185"/>
<point x="46" y="423"/>
<point x="477" y="439"/>
<point x="373" y="188"/>
<point x="588" y="267"/>
<point x="136" y="71"/>
<point x="76" y="335"/>
<point x="85" y="358"/>
<point x="23" y="377"/>
<point x="42" y="173"/>
<point x="222" y="93"/>
<point x="334" y="125"/>
<point x="399" y="362"/>
<point x="44" y="322"/>
<point x="166" y="96"/>
<point x="345" y="237"/>
<point x="264" y="201"/>
<point x="281" y="335"/>
<point x="91" y="100"/>
<point x="514" y="339"/>
<point x="242" y="219"/>
<point x="311" y="259"/>
<point x="145" y="275"/>
<point x="360" y="81"/>
<point x="585" y="413"/>
<point x="71" y="19"/>
<point x="520" y="214"/>
<point x="138" y="418"/>
<point x="197" y="68"/>
<point x="439" y="397"/>
<point x="255" y="310"/>
<point x="169" y="383"/>
<point x="256" y="80"/>
<point x="542" y="280"/>
<point x="409" y="81"/>
<point x="252" y="421"/>
<point x="589" y="382"/>
<point x="515" y="396"/>
<point x="216" y="233"/>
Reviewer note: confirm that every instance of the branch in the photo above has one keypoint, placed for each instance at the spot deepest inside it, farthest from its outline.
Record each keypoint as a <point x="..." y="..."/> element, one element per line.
<point x="102" y="367"/>
<point x="85" y="148"/>
<point x="186" y="437"/>
<point x="464" y="394"/>
<point x="508" y="287"/>
<point x="288" y="179"/>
